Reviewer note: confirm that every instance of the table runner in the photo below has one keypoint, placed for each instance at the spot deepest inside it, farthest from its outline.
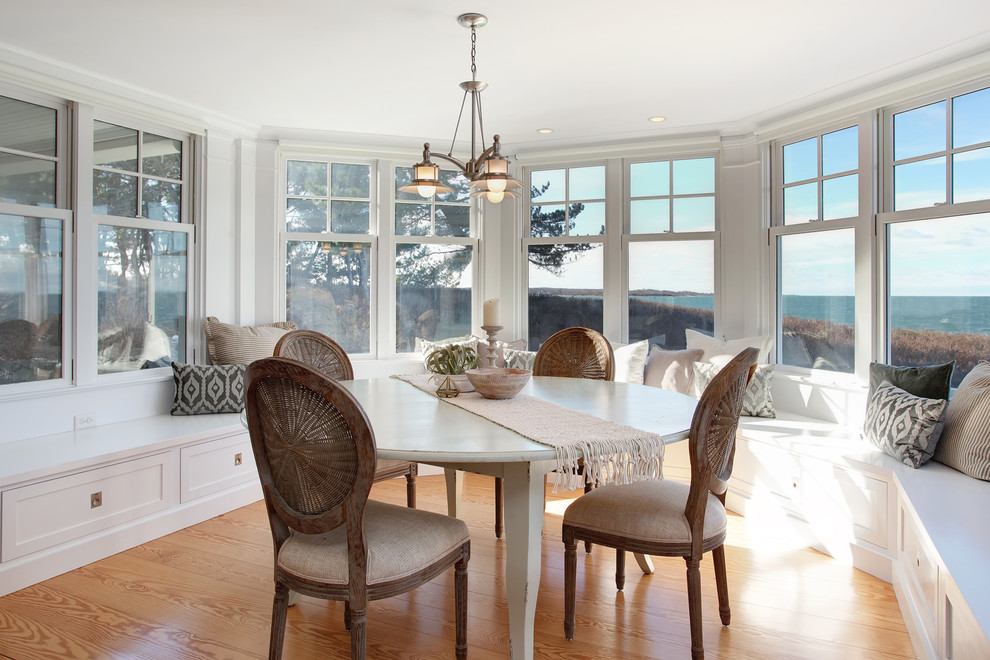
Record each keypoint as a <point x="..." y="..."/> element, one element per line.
<point x="613" y="453"/>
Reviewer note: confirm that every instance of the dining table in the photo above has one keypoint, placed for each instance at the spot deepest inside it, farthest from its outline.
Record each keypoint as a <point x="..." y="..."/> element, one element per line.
<point x="416" y="425"/>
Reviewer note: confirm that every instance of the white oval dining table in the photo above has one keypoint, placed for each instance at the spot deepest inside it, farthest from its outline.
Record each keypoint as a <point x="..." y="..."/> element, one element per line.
<point x="413" y="425"/>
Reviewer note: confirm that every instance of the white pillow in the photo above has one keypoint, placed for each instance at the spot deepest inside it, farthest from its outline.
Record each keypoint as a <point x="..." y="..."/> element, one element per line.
<point x="630" y="361"/>
<point x="672" y="370"/>
<point x="500" y="346"/>
<point x="720" y="352"/>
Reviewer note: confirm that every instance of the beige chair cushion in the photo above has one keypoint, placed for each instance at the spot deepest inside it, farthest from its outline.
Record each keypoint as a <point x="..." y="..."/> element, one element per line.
<point x="650" y="510"/>
<point x="401" y="542"/>
<point x="241" y="344"/>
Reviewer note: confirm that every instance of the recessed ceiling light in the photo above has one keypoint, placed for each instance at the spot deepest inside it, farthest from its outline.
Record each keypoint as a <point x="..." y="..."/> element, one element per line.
<point x="658" y="119"/>
<point x="544" y="130"/>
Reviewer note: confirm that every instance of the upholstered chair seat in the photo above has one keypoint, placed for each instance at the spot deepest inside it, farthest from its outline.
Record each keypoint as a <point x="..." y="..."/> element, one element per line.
<point x="402" y="542"/>
<point x="646" y="510"/>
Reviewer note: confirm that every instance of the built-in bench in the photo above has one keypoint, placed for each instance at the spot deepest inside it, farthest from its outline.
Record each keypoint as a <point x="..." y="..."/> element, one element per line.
<point x="922" y="529"/>
<point x="72" y="498"/>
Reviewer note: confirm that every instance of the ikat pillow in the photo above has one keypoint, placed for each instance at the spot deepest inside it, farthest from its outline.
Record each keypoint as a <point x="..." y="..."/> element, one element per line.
<point x="208" y="389"/>
<point x="758" y="401"/>
<point x="903" y="425"/>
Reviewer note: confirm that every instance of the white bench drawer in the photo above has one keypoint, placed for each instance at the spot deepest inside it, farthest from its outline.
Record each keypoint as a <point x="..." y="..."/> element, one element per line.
<point x="214" y="466"/>
<point x="50" y="512"/>
<point x="920" y="566"/>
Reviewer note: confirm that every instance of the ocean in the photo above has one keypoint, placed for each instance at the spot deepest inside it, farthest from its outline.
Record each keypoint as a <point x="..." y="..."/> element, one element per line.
<point x="962" y="314"/>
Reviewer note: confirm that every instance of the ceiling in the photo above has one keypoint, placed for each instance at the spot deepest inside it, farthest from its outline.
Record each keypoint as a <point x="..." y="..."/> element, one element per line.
<point x="591" y="71"/>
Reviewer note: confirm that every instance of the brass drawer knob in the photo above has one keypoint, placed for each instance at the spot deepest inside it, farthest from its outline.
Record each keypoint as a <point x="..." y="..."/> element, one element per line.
<point x="238" y="459"/>
<point x="95" y="500"/>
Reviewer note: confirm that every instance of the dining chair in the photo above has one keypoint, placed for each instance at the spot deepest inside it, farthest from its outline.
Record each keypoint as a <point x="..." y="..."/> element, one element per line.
<point x="323" y="353"/>
<point x="670" y="518"/>
<point x="315" y="452"/>
<point x="571" y="353"/>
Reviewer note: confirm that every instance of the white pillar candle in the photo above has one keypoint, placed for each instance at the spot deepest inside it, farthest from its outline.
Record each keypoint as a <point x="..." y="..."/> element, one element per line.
<point x="491" y="312"/>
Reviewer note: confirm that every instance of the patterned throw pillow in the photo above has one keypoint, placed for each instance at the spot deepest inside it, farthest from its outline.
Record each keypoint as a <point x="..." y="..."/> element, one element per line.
<point x="519" y="359"/>
<point x="758" y="401"/>
<point x="965" y="443"/>
<point x="903" y="425"/>
<point x="208" y="389"/>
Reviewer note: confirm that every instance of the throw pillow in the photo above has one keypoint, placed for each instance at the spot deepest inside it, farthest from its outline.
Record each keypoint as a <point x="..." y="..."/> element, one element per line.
<point x="715" y="349"/>
<point x="519" y="359"/>
<point x="965" y="443"/>
<point x="903" y="425"/>
<point x="630" y="361"/>
<point x="207" y="389"/>
<point x="418" y="342"/>
<point x="930" y="382"/>
<point x="500" y="346"/>
<point x="240" y="344"/>
<point x="672" y="370"/>
<point x="758" y="401"/>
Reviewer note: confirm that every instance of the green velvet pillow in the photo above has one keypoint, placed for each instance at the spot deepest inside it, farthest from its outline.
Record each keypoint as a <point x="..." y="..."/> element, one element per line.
<point x="928" y="382"/>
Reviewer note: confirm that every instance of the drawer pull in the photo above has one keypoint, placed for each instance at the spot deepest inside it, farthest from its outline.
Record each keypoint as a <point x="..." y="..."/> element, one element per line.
<point x="96" y="500"/>
<point x="238" y="459"/>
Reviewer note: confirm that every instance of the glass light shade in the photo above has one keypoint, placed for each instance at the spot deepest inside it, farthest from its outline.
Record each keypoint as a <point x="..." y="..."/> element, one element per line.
<point x="426" y="191"/>
<point x="495" y="197"/>
<point x="496" y="185"/>
<point x="425" y="171"/>
<point x="496" y="166"/>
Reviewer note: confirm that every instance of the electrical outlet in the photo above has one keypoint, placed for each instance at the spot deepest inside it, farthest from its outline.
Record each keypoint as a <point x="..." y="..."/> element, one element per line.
<point x="85" y="421"/>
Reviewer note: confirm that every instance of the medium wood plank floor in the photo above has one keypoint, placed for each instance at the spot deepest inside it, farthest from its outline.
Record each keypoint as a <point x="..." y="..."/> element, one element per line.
<point x="205" y="592"/>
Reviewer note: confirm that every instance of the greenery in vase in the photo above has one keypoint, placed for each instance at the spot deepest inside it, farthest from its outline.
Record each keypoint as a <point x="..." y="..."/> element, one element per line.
<point x="452" y="360"/>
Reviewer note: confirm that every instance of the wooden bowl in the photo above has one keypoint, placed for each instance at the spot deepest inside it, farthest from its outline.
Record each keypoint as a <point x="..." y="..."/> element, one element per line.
<point x="498" y="383"/>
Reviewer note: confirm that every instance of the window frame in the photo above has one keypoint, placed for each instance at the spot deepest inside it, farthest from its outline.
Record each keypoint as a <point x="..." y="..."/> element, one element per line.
<point x="671" y="235"/>
<point x="87" y="230"/>
<point x="373" y="237"/>
<point x="864" y="303"/>
<point x="388" y="336"/>
<point x="61" y="211"/>
<point x="887" y="216"/>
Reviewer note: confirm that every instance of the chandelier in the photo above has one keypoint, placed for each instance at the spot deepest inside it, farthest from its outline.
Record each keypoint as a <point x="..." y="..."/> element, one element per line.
<point x="488" y="172"/>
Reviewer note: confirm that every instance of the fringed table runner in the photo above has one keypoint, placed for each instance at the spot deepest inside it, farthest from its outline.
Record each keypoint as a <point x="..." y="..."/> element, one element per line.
<point x="613" y="453"/>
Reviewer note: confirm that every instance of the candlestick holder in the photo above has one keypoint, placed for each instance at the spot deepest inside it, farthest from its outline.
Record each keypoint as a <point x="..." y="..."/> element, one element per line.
<point x="492" y="331"/>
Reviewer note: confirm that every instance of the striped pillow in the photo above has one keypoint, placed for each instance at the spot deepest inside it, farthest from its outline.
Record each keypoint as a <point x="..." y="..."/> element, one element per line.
<point x="965" y="443"/>
<point x="241" y="344"/>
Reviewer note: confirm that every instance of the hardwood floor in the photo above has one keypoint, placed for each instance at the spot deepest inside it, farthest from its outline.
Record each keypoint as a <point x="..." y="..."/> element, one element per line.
<point x="205" y="592"/>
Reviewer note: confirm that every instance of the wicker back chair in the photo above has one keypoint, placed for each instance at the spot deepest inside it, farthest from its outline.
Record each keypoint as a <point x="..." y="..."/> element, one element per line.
<point x="571" y="353"/>
<point x="327" y="357"/>
<point x="315" y="452"/>
<point x="576" y="353"/>
<point x="670" y="518"/>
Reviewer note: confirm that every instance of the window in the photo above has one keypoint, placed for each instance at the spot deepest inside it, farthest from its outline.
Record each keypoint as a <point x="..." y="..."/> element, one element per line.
<point x="565" y="250"/>
<point x="935" y="231"/>
<point x="143" y="234"/>
<point x="816" y="210"/>
<point x="671" y="250"/>
<point x="940" y="153"/>
<point x="33" y="234"/>
<point x="328" y="246"/>
<point x="434" y="261"/>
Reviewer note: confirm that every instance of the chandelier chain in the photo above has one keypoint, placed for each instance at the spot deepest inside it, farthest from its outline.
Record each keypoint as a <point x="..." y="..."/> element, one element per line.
<point x="474" y="43"/>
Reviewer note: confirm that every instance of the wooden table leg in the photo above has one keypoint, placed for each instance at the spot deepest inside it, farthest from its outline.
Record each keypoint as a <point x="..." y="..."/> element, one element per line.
<point x="454" y="480"/>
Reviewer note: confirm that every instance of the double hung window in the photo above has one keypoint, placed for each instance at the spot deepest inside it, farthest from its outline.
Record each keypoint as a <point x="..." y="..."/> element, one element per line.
<point x="328" y="242"/>
<point x="435" y="248"/>
<point x="34" y="230"/>
<point x="565" y="250"/>
<point x="813" y="238"/>
<point x="671" y="243"/>
<point x="936" y="231"/>
<point x="143" y="238"/>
